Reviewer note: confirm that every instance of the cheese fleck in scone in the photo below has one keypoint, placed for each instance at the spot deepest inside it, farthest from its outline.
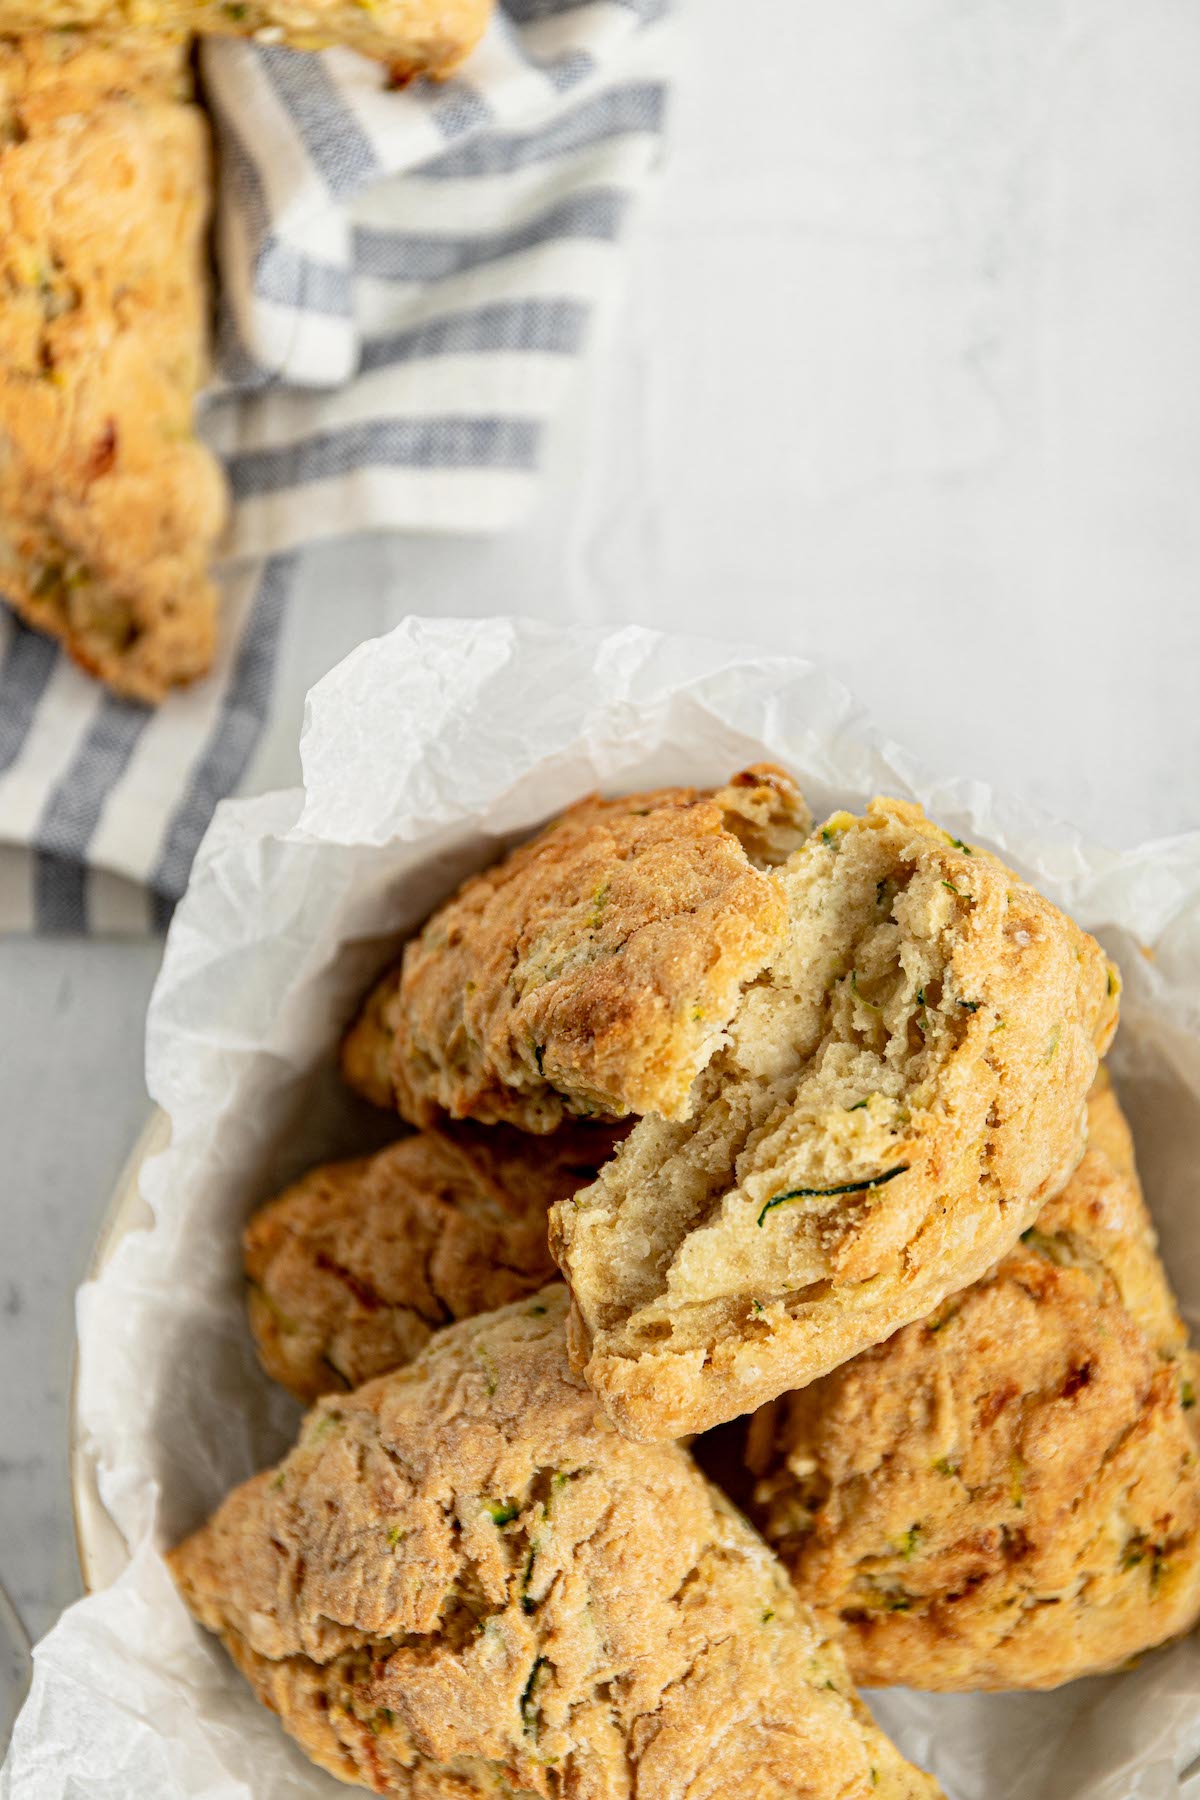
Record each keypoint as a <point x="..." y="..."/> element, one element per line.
<point x="901" y="1090"/>
<point x="462" y="1582"/>
<point x="1006" y="1494"/>
<point x="352" y="1269"/>
<point x="414" y="37"/>
<point x="593" y="970"/>
<point x="109" y="505"/>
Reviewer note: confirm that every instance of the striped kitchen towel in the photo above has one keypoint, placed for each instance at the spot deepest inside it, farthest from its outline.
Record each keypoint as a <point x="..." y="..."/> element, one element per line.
<point x="405" y="282"/>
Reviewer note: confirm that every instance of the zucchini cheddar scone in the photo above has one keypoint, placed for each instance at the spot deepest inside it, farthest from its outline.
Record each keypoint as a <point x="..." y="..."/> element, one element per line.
<point x="593" y="970"/>
<point x="414" y="37"/>
<point x="1006" y="1494"/>
<point x="900" y="1091"/>
<point x="109" y="505"/>
<point x="462" y="1582"/>
<point x="352" y="1269"/>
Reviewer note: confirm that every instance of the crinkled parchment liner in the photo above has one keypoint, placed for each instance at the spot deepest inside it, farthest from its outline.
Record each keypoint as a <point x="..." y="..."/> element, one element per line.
<point x="424" y="754"/>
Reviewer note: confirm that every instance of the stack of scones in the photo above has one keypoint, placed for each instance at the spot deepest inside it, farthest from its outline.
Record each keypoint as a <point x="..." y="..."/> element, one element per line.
<point x="739" y="1145"/>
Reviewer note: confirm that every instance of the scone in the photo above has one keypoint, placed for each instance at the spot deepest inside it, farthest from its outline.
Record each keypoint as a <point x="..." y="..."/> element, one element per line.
<point x="414" y="37"/>
<point x="109" y="505"/>
<point x="351" y="1270"/>
<point x="1008" y="1493"/>
<point x="462" y="1582"/>
<point x="593" y="970"/>
<point x="899" y="1093"/>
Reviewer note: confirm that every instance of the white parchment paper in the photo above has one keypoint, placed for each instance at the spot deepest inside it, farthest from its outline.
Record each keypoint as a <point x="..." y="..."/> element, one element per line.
<point x="424" y="753"/>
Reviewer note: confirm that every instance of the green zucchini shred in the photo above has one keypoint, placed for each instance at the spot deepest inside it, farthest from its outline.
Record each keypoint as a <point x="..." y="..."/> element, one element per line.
<point x="528" y="1709"/>
<point x="845" y="1187"/>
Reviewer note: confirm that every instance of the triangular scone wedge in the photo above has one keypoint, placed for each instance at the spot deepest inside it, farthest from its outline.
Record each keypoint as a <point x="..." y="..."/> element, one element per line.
<point x="900" y="1092"/>
<point x="352" y="1269"/>
<point x="593" y="970"/>
<point x="1007" y="1494"/>
<point x="110" y="505"/>
<point x="462" y="1582"/>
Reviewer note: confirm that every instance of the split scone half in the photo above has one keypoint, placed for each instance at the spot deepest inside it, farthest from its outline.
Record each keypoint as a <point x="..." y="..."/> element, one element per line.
<point x="462" y="1582"/>
<point x="1007" y="1494"/>
<point x="593" y="970"/>
<point x="351" y="1270"/>
<point x="899" y="1092"/>
<point x="109" y="504"/>
<point x="414" y="37"/>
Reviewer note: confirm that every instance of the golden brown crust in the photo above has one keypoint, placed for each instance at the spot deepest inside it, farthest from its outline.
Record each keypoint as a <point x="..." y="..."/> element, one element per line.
<point x="352" y="1268"/>
<point x="899" y="1093"/>
<point x="1006" y="1494"/>
<point x="109" y="505"/>
<point x="414" y="37"/>
<point x="591" y="971"/>
<point x="462" y="1583"/>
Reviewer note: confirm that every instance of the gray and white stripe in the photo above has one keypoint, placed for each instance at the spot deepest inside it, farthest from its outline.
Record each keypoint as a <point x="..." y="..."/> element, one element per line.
<point x="407" y="281"/>
<point x="108" y="800"/>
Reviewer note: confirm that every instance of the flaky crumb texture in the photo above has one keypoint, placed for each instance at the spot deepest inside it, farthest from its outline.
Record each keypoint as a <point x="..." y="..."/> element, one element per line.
<point x="899" y="1092"/>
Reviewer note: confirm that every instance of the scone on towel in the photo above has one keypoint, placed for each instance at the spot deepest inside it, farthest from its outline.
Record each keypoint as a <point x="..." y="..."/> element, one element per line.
<point x="351" y="1269"/>
<point x="901" y="1089"/>
<point x="414" y="37"/>
<point x="109" y="504"/>
<point x="1006" y="1494"/>
<point x="462" y="1582"/>
<point x="593" y="970"/>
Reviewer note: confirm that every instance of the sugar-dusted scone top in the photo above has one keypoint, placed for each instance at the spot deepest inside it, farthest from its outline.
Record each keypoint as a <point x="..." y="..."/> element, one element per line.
<point x="900" y="1091"/>
<point x="415" y="37"/>
<point x="353" y="1267"/>
<point x="1006" y="1494"/>
<point x="462" y="1582"/>
<point x="109" y="504"/>
<point x="593" y="969"/>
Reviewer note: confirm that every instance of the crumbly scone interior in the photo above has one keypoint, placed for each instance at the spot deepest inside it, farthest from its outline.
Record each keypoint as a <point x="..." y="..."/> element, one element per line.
<point x="766" y="812"/>
<point x="840" y="1055"/>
